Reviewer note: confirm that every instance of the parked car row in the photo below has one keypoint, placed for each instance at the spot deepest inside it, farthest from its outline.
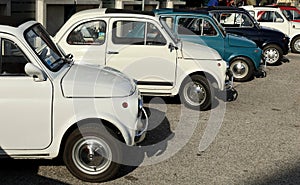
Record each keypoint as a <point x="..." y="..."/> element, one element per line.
<point x="86" y="109"/>
<point x="144" y="48"/>
<point x="274" y="17"/>
<point x="79" y="94"/>
<point x="242" y="55"/>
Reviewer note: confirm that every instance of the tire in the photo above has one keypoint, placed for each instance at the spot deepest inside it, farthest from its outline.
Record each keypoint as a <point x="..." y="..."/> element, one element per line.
<point x="91" y="153"/>
<point x="196" y="92"/>
<point x="295" y="45"/>
<point x="272" y="54"/>
<point x="242" y="69"/>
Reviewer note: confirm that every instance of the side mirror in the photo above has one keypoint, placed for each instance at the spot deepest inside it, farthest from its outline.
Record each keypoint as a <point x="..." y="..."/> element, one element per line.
<point x="33" y="71"/>
<point x="68" y="58"/>
<point x="172" y="47"/>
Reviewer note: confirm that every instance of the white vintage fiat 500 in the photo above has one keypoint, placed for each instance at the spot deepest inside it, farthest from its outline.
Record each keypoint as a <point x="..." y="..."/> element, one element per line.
<point x="143" y="47"/>
<point x="51" y="105"/>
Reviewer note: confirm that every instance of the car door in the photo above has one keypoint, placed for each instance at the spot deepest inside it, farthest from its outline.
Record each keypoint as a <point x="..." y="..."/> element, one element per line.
<point x="26" y="105"/>
<point x="86" y="40"/>
<point x="200" y="30"/>
<point x="140" y="49"/>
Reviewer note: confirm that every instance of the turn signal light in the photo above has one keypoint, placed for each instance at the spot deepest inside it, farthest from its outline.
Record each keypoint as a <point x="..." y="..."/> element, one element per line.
<point x="125" y="105"/>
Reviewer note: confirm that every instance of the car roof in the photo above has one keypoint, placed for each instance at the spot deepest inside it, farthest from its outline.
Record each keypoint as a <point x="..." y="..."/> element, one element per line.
<point x="179" y="11"/>
<point x="13" y="26"/>
<point x="96" y="12"/>
<point x="287" y="7"/>
<point x="223" y="8"/>
<point x="261" y="7"/>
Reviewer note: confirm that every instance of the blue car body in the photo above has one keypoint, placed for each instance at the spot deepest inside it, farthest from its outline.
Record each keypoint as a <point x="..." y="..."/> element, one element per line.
<point x="229" y="46"/>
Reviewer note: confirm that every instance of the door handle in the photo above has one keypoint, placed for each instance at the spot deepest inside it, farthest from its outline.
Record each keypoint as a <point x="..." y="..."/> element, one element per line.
<point x="113" y="52"/>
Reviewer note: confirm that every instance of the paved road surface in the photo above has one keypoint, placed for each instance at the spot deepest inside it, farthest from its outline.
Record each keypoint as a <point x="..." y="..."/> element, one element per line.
<point x="258" y="142"/>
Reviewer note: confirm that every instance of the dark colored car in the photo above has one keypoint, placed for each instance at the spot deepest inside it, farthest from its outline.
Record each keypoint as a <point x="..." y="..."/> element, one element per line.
<point x="235" y="20"/>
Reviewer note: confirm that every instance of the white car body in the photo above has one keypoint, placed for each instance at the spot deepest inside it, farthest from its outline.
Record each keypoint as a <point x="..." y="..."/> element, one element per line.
<point x="158" y="69"/>
<point x="274" y="18"/>
<point x="38" y="110"/>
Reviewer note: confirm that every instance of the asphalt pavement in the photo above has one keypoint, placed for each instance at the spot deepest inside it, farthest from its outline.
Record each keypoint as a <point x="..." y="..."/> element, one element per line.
<point x="255" y="140"/>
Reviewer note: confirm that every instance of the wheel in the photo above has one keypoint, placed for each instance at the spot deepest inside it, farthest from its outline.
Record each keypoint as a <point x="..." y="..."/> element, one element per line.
<point x="272" y="54"/>
<point x="295" y="45"/>
<point x="91" y="153"/>
<point x="242" y="69"/>
<point x="196" y="92"/>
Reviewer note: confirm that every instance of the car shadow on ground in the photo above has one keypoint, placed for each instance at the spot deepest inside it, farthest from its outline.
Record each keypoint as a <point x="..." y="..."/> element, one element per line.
<point x="13" y="171"/>
<point x="176" y="100"/>
<point x="290" y="175"/>
<point x="155" y="143"/>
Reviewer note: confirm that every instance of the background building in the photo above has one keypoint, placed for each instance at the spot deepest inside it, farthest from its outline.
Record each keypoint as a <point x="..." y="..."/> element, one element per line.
<point x="54" y="13"/>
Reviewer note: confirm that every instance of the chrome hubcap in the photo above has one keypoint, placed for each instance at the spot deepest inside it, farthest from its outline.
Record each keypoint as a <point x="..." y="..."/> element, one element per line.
<point x="239" y="69"/>
<point x="271" y="55"/>
<point x="92" y="155"/>
<point x="297" y="45"/>
<point x="195" y="92"/>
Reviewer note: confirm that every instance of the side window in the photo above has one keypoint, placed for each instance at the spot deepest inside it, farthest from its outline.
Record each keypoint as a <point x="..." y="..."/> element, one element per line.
<point x="89" y="33"/>
<point x="278" y="17"/>
<point x="128" y="32"/>
<point x="230" y="19"/>
<point x="136" y="33"/>
<point x="190" y="26"/>
<point x="195" y="26"/>
<point x="269" y="16"/>
<point x="13" y="59"/>
<point x="235" y="20"/>
<point x="208" y="29"/>
<point x="246" y="21"/>
<point x="154" y="36"/>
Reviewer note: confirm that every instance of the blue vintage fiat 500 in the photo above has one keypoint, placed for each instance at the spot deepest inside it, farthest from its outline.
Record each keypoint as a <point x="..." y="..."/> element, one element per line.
<point x="242" y="54"/>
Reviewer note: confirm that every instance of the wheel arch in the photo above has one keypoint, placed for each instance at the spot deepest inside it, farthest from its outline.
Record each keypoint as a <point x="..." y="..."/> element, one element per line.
<point x="214" y="82"/>
<point x="86" y="121"/>
<point x="255" y="64"/>
<point x="293" y="39"/>
<point x="272" y="43"/>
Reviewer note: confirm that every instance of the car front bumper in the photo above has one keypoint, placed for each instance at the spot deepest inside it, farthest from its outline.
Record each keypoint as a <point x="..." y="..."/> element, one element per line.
<point x="141" y="126"/>
<point x="231" y="93"/>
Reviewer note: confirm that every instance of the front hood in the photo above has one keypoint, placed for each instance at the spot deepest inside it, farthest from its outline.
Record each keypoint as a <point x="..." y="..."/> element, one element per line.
<point x="197" y="51"/>
<point x="239" y="41"/>
<point x="95" y="81"/>
<point x="268" y="30"/>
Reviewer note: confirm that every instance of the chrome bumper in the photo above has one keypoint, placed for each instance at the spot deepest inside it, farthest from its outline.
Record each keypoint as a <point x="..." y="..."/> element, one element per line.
<point x="141" y="126"/>
<point x="260" y="72"/>
<point x="231" y="93"/>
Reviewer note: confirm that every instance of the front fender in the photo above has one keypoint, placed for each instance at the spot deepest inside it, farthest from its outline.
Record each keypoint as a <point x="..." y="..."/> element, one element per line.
<point x="216" y="69"/>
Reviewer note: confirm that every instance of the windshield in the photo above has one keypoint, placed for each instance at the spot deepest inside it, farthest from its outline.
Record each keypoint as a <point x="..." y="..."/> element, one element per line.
<point x="291" y="14"/>
<point x="44" y="47"/>
<point x="172" y="34"/>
